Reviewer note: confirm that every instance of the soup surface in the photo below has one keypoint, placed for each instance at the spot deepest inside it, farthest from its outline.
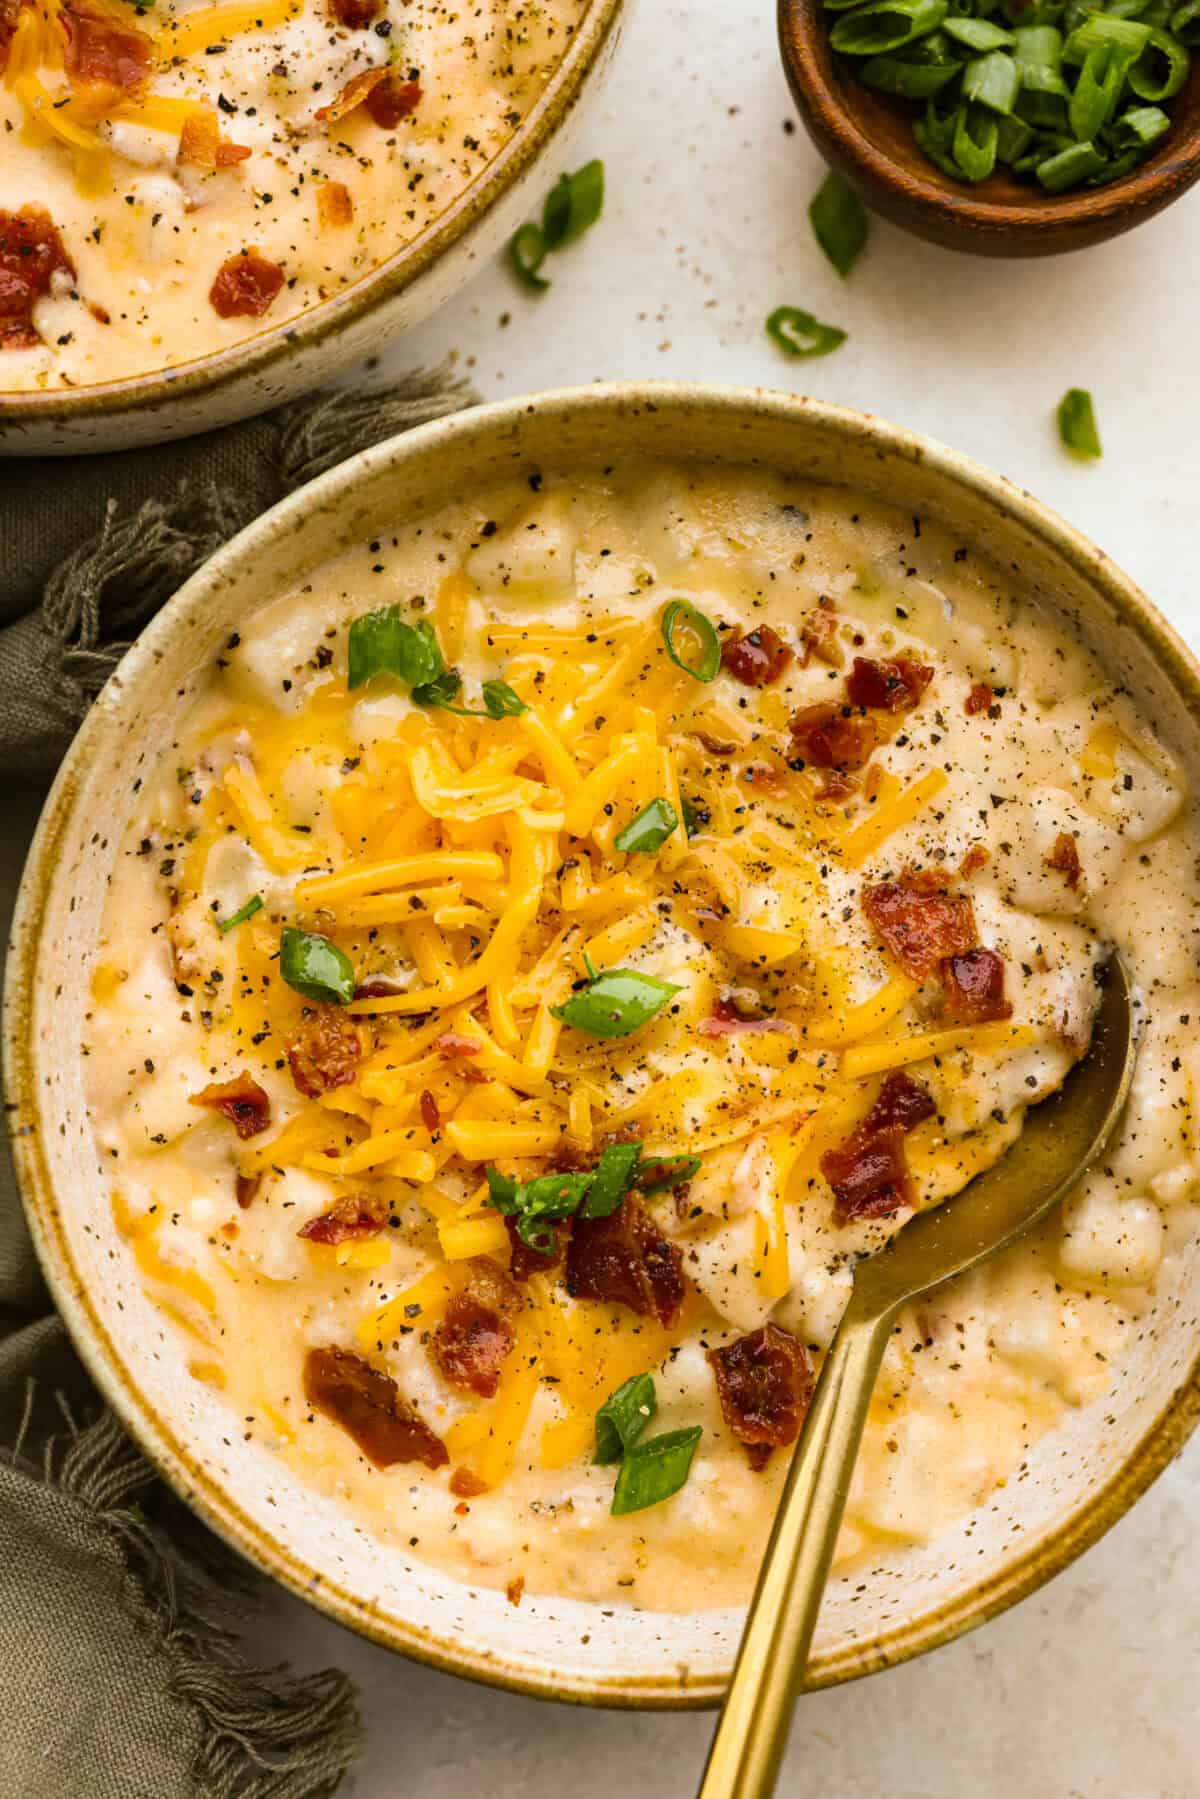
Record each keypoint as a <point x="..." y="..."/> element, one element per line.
<point x="559" y="940"/>
<point x="177" y="177"/>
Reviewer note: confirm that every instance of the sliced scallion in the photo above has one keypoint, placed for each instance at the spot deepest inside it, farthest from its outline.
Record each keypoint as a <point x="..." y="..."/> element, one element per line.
<point x="885" y="25"/>
<point x="839" y="221"/>
<point x="1185" y="24"/>
<point x="800" y="334"/>
<point x="383" y="643"/>
<point x="241" y="915"/>
<point x="979" y="35"/>
<point x="526" y="254"/>
<point x="573" y="205"/>
<point x="1077" y="423"/>
<point x="1161" y="69"/>
<point x="680" y="616"/>
<point x="623" y="1417"/>
<point x="615" y="1003"/>
<point x="611" y="1179"/>
<point x="992" y="81"/>
<point x="649" y="830"/>
<point x="976" y="134"/>
<point x="315" y="967"/>
<point x="1068" y="167"/>
<point x="910" y="80"/>
<point x="652" y="1471"/>
<point x="1097" y="90"/>
<point x="1139" y="127"/>
<point x="500" y="701"/>
<point x="665" y="1171"/>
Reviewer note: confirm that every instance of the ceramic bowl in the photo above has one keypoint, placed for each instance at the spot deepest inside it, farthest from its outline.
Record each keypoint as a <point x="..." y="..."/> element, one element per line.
<point x="1077" y="1481"/>
<point x="296" y="355"/>
<point x="867" y="136"/>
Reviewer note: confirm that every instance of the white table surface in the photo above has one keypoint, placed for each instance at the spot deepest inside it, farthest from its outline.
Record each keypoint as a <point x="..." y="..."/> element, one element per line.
<point x="1087" y="1690"/>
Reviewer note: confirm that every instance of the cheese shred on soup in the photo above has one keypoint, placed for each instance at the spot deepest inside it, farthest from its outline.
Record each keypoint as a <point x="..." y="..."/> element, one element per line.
<point x="177" y="177"/>
<point x="559" y="940"/>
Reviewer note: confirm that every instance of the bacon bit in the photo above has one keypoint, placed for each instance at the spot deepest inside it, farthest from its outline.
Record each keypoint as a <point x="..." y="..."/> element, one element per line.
<point x="764" y="1383"/>
<point x="514" y="1590"/>
<point x="830" y="736"/>
<point x="380" y="988"/>
<point x="466" y="1485"/>
<point x="462" y="1509"/>
<point x="755" y="658"/>
<point x="245" y="285"/>
<point x="351" y="1219"/>
<point x="887" y="686"/>
<point x="452" y="1044"/>
<point x="101" y="314"/>
<point x="474" y="1337"/>
<point x="31" y="254"/>
<point x="836" y="787"/>
<point x="10" y="12"/>
<point x="392" y="101"/>
<point x="869" y="1173"/>
<point x="727" y="1020"/>
<point x="625" y="1260"/>
<point x="102" y="51"/>
<point x="230" y="1229"/>
<point x="979" y="699"/>
<point x="431" y="1118"/>
<point x="525" y="1261"/>
<point x="201" y="145"/>
<point x="716" y="746"/>
<point x="246" y="1188"/>
<point x="352" y="95"/>
<point x="817" y="636"/>
<point x="325" y="1053"/>
<point x="765" y="778"/>
<point x="919" y="922"/>
<point x="1064" y="858"/>
<point x="355" y="15"/>
<point x="976" y="857"/>
<point x="974" y="984"/>
<point x="368" y="1406"/>
<point x="241" y="1100"/>
<point x="335" y="208"/>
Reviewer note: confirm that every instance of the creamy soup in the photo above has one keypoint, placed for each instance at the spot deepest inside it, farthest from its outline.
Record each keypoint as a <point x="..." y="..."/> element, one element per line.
<point x="177" y="177"/>
<point x="565" y="934"/>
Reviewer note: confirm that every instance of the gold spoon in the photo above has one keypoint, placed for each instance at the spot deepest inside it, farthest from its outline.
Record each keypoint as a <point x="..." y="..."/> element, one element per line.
<point x="1059" y="1140"/>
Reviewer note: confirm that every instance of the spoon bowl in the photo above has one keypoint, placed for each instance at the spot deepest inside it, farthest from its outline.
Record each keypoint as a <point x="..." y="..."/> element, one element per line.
<point x="1059" y="1141"/>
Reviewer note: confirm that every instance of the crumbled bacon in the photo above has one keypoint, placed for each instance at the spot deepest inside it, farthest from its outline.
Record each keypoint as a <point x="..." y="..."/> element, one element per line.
<point x="837" y="787"/>
<point x="894" y="686"/>
<point x="515" y="1589"/>
<point x="355" y="15"/>
<point x="919" y="922"/>
<point x="335" y="207"/>
<point x="10" y="12"/>
<point x="352" y="1218"/>
<point x="368" y="1406"/>
<point x="102" y="50"/>
<point x="245" y="1189"/>
<point x="979" y="699"/>
<point x="431" y="1117"/>
<point x="868" y="1172"/>
<point x="245" y="285"/>
<point x="31" y="254"/>
<point x="1064" y="858"/>
<point x="728" y="1019"/>
<point x="818" y="632"/>
<point x="475" y="1336"/>
<point x="755" y="658"/>
<point x="352" y="95"/>
<point x="976" y="857"/>
<point x="325" y="1052"/>
<point x="465" y="1485"/>
<point x="380" y="988"/>
<point x="764" y="1383"/>
<point x="453" y="1044"/>
<point x="526" y="1261"/>
<point x="392" y="101"/>
<point x="201" y="145"/>
<point x="830" y="736"/>
<point x="974" y="987"/>
<point x="241" y="1100"/>
<point x="625" y="1260"/>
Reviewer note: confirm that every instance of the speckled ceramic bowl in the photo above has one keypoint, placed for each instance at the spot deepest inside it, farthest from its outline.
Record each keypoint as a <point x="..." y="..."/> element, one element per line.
<point x="1077" y="1481"/>
<point x="280" y="361"/>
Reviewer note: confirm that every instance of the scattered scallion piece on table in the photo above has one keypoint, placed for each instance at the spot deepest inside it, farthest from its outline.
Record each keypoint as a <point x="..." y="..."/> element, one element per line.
<point x="798" y="333"/>
<point x="571" y="207"/>
<point x="241" y="915"/>
<point x="315" y="967"/>
<point x="526" y="254"/>
<point x="655" y="1470"/>
<point x="839" y="221"/>
<point x="1065" y="93"/>
<point x="623" y="1417"/>
<point x="1077" y="423"/>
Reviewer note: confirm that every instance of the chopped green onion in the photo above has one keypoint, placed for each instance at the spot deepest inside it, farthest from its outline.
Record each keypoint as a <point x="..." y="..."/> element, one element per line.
<point x="441" y="691"/>
<point x="1185" y="24"/>
<point x="382" y="643"/>
<point x="1101" y="29"/>
<point x="1013" y="138"/>
<point x="241" y="915"/>
<point x="1068" y="167"/>
<point x="910" y="80"/>
<point x="1140" y="127"/>
<point x="537" y="1205"/>
<point x="707" y="665"/>
<point x="839" y="221"/>
<point x="979" y="35"/>
<point x="1043" y="99"/>
<point x="611" y="1180"/>
<point x="649" y="830"/>
<point x="573" y="205"/>
<point x="501" y="701"/>
<point x="653" y="1471"/>
<point x="1096" y="92"/>
<point x="928" y="140"/>
<point x="1077" y="423"/>
<point x="696" y="817"/>
<point x="615" y="1003"/>
<point x="665" y="1171"/>
<point x="526" y="254"/>
<point x="1037" y="47"/>
<point x="315" y="967"/>
<point x="992" y="81"/>
<point x="1161" y="69"/>
<point x="800" y="334"/>
<point x="885" y="25"/>
<point x="623" y="1417"/>
<point x="975" y="137"/>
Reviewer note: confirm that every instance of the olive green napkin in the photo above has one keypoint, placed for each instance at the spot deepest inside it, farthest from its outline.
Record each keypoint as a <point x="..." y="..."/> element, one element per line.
<point x="120" y="1666"/>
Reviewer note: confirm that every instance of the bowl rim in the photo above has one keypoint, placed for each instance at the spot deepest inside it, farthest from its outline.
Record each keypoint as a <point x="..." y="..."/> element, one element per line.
<point x="282" y="341"/>
<point x="1074" y="219"/>
<point x="117" y="1382"/>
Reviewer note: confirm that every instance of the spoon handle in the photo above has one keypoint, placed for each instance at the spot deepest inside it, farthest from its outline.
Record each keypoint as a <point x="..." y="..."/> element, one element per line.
<point x="752" y="1733"/>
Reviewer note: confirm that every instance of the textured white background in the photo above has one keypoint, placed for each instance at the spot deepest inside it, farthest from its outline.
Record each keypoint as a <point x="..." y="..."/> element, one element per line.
<point x="1088" y="1690"/>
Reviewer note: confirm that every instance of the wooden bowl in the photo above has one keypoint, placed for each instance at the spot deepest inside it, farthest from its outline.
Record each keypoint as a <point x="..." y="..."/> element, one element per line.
<point x="867" y="137"/>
